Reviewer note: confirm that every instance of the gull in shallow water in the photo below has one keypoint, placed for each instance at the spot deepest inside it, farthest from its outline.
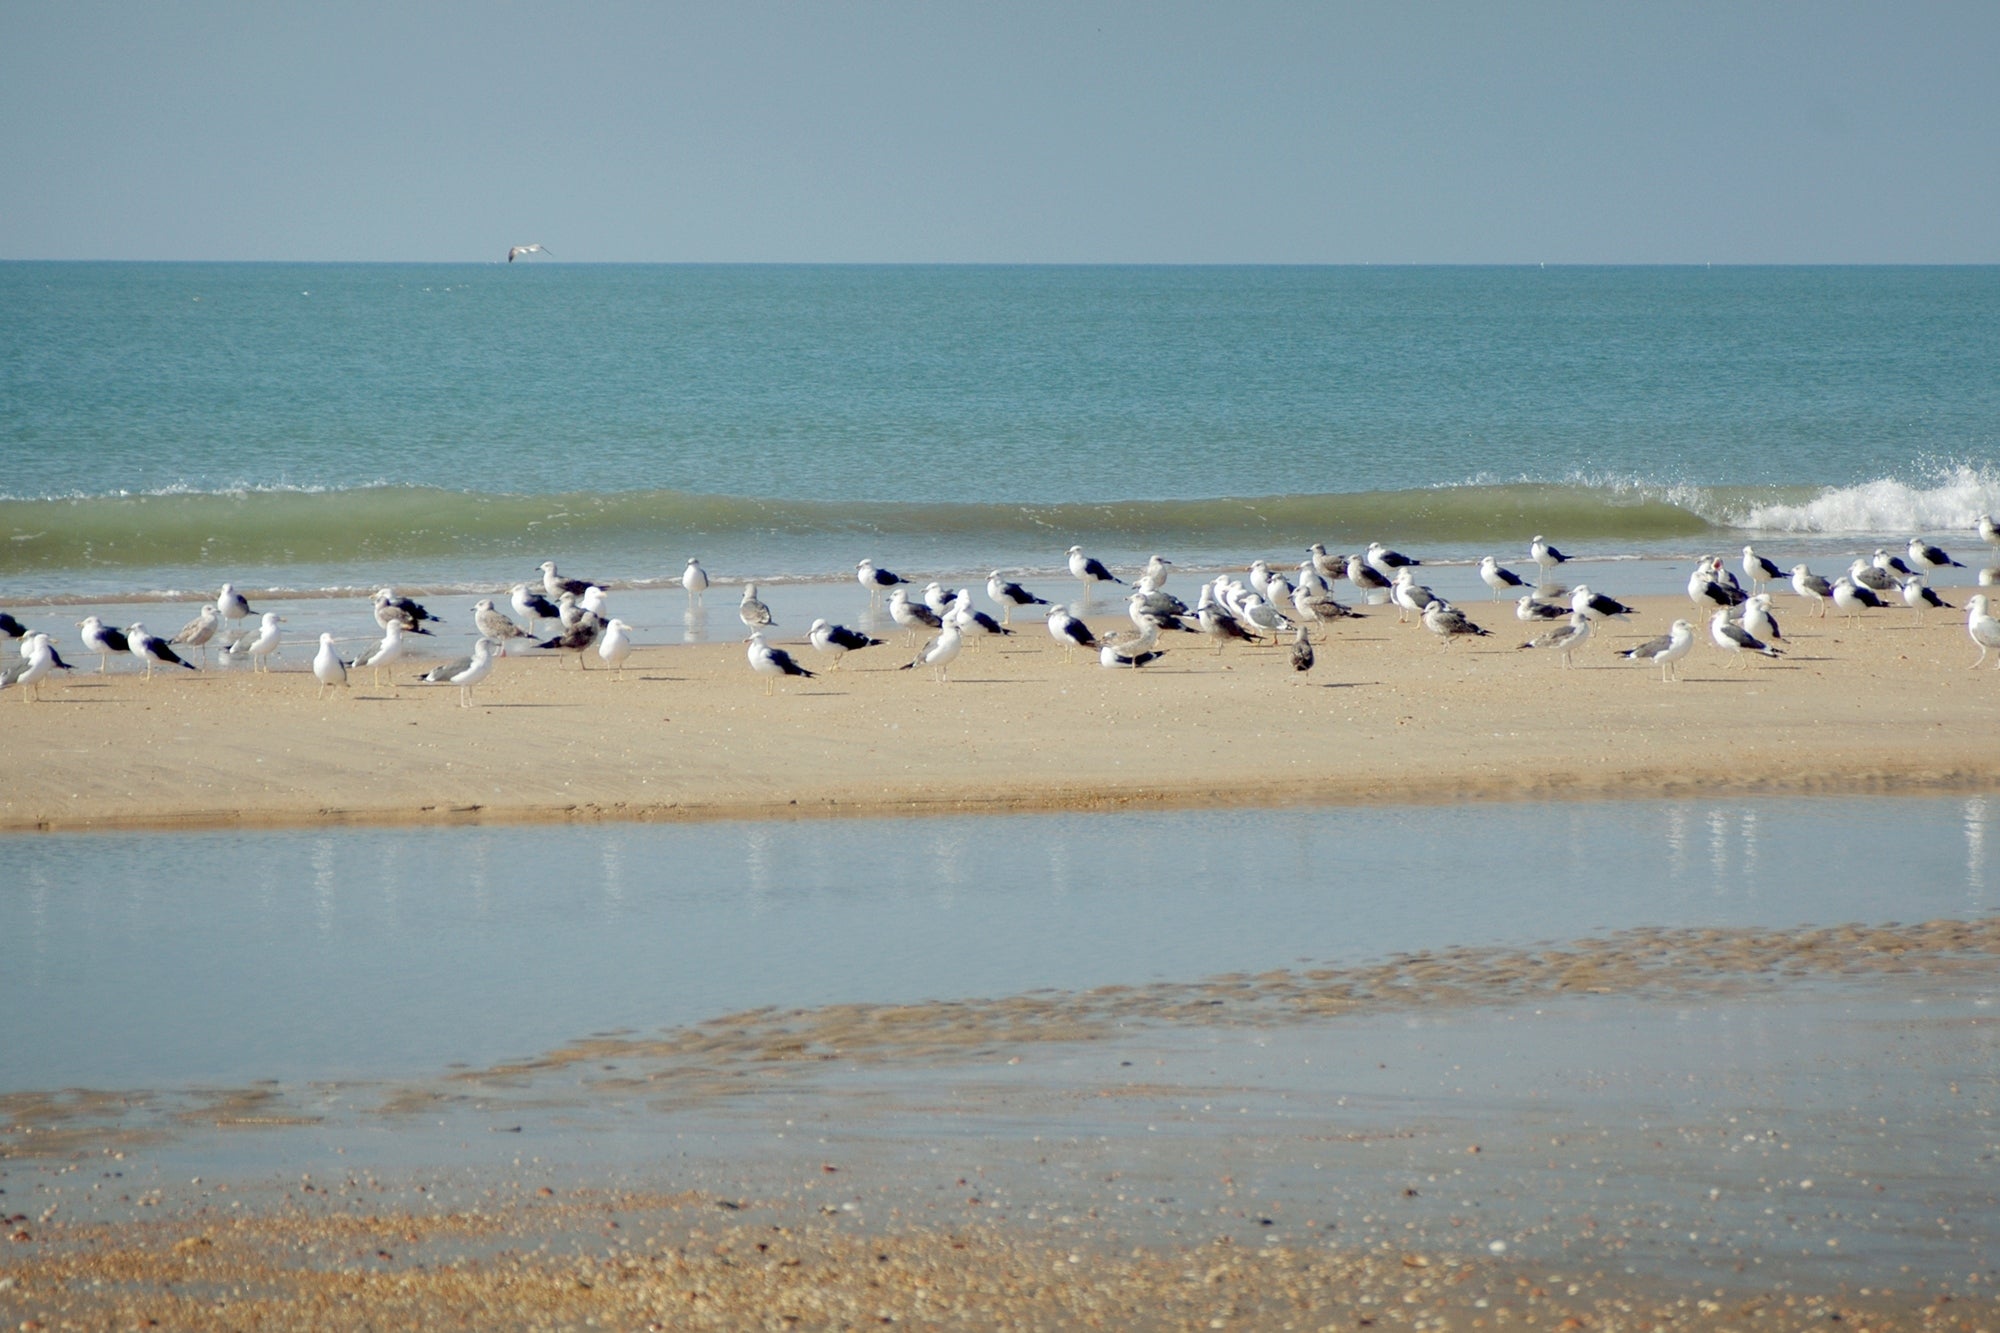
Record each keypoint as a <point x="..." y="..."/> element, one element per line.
<point x="912" y="616"/>
<point x="152" y="650"/>
<point x="388" y="607"/>
<point x="261" y="647"/>
<point x="104" y="640"/>
<point x="1667" y="650"/>
<point x="695" y="579"/>
<point x="1500" y="579"/>
<point x="752" y="612"/>
<point x="234" y="609"/>
<point x="1009" y="596"/>
<point x="197" y="632"/>
<point x="532" y="607"/>
<point x="1811" y="587"/>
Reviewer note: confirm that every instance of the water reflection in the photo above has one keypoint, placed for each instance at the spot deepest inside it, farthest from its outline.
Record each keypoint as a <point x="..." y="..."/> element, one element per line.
<point x="651" y="925"/>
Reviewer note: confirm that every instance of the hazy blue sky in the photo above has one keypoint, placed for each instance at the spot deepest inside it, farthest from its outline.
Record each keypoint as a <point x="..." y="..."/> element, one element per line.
<point x="1065" y="132"/>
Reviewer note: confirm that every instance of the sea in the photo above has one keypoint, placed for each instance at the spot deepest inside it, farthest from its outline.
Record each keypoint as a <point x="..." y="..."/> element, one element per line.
<point x="310" y="432"/>
<point x="321" y="429"/>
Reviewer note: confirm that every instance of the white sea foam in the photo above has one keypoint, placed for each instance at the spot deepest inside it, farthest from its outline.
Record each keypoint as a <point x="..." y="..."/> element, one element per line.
<point x="1953" y="503"/>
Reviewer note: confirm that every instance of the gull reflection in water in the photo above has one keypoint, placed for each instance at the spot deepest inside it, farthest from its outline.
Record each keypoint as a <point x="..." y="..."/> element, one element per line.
<point x="1977" y="812"/>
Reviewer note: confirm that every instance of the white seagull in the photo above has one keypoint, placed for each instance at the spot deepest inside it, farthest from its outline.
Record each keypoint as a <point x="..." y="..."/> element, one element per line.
<point x="772" y="663"/>
<point x="1811" y="587"/>
<point x="1981" y="625"/>
<point x="912" y="616"/>
<point x="1733" y="638"/>
<point x="197" y="632"/>
<point x="938" y="653"/>
<point x="616" y="645"/>
<point x="1925" y="556"/>
<point x="37" y="660"/>
<point x="533" y="607"/>
<point x="1545" y="555"/>
<point x="1565" y="639"/>
<point x="1132" y="653"/>
<point x="234" y="609"/>
<point x="1088" y="571"/>
<point x="555" y="584"/>
<point x="260" y="648"/>
<point x="474" y="671"/>
<point x="1070" y="632"/>
<point x="514" y="252"/>
<point x="838" y="640"/>
<point x="1008" y="596"/>
<point x="1667" y="650"/>
<point x="103" y="640"/>
<point x="1498" y="578"/>
<point x="327" y="666"/>
<point x="152" y="650"/>
<point x="382" y="654"/>
<point x="492" y="623"/>
<point x="752" y="612"/>
<point x="695" y="579"/>
<point x="1447" y="622"/>
<point x="1759" y="570"/>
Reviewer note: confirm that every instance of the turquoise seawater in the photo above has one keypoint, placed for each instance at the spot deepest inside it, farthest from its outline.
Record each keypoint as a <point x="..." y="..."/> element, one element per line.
<point x="306" y="426"/>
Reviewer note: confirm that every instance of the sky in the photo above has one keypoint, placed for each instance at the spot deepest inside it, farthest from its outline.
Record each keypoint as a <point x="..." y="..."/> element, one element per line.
<point x="1072" y="131"/>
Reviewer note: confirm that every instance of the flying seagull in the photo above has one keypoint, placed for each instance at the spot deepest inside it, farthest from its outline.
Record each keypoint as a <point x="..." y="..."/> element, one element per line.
<point x="514" y="252"/>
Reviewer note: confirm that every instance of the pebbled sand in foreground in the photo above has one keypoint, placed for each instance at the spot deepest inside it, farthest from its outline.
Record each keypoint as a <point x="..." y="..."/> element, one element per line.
<point x="1388" y="714"/>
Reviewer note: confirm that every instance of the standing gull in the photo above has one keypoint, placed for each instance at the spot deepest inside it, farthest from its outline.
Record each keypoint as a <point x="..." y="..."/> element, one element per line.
<point x="474" y="671"/>
<point x="616" y="645"/>
<point x="579" y="637"/>
<point x="1545" y="555"/>
<point x="695" y="579"/>
<point x="197" y="632"/>
<point x="1529" y="609"/>
<point x="1009" y="596"/>
<point x="1302" y="651"/>
<point x="1924" y="556"/>
<point x="938" y="653"/>
<point x="1981" y="625"/>
<point x="1447" y="622"/>
<point x="388" y="607"/>
<point x="492" y="623"/>
<point x="1596" y="606"/>
<point x="382" y="654"/>
<point x="152" y="650"/>
<point x="1918" y="594"/>
<point x="752" y="612"/>
<point x="1759" y="570"/>
<point x="1498" y="578"/>
<point x="1386" y="562"/>
<point x="1565" y="639"/>
<point x="533" y="607"/>
<point x="1373" y="586"/>
<point x="1733" y="638"/>
<point x="838" y="640"/>
<point x="1758" y="621"/>
<point x="1811" y="587"/>
<point x="1070" y="632"/>
<point x="328" y="667"/>
<point x="875" y="579"/>
<point x="772" y="663"/>
<point x="1089" y="571"/>
<point x="11" y="628"/>
<point x="234" y="609"/>
<point x="912" y="616"/>
<point x="1667" y="650"/>
<point x="103" y="640"/>
<point x="555" y="585"/>
<point x="971" y="623"/>
<point x="1852" y="599"/>
<point x="38" y="659"/>
<point x="260" y="647"/>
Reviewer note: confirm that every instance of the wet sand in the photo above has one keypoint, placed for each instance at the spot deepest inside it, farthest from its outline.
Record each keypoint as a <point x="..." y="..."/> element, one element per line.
<point x="688" y="733"/>
<point x="1238" y="1149"/>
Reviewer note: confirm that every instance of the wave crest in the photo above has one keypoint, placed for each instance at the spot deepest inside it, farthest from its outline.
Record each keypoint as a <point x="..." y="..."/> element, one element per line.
<point x="1885" y="505"/>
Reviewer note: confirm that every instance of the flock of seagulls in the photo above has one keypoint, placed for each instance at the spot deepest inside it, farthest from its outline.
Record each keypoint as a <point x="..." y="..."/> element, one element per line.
<point x="564" y="615"/>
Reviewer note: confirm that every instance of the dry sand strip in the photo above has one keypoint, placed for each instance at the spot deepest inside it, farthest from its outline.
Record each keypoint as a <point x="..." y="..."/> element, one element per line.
<point x="1388" y="714"/>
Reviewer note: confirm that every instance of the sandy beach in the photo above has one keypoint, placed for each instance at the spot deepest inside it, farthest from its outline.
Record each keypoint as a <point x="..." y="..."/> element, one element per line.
<point x="687" y="731"/>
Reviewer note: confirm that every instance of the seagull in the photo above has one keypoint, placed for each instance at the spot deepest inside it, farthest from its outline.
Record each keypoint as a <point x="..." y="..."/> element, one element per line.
<point x="1363" y="576"/>
<point x="578" y="637"/>
<point x="390" y="607"/>
<point x="231" y="604"/>
<point x="260" y="648"/>
<point x="753" y="613"/>
<point x="875" y="579"/>
<point x="1218" y="621"/>
<point x="514" y="252"/>
<point x="1089" y="571"/>
<point x="1706" y="589"/>
<point x="1759" y="570"/>
<point x="556" y="585"/>
<point x="1530" y="610"/>
<point x="1447" y="621"/>
<point x="1333" y="567"/>
<point x="1980" y="624"/>
<point x="1147" y="614"/>
<point x="152" y="650"/>
<point x="1989" y="530"/>
<point x="1409" y="595"/>
<point x="938" y="653"/>
<point x="912" y="616"/>
<point x="532" y="607"/>
<point x="492" y="623"/>
<point x="1595" y="605"/>
<point x="971" y="623"/>
<point x="1894" y="564"/>
<point x="593" y="601"/>
<point x="1070" y="632"/>
<point x="11" y="628"/>
<point x="197" y="632"/>
<point x="1499" y="579"/>
<point x="328" y="667"/>
<point x="103" y="640"/>
<point x="935" y="599"/>
<point x="1566" y="639"/>
<point x="37" y="662"/>
<point x="1734" y="638"/>
<point x="1386" y="562"/>
<point x="616" y="645"/>
<point x="1317" y="606"/>
<point x="1925" y="556"/>
<point x="385" y="652"/>
<point x="1811" y="587"/>
<point x="1260" y="617"/>
<point x="1157" y="567"/>
<point x="1132" y="653"/>
<point x="1918" y="594"/>
<point x="1009" y="596"/>
<point x="838" y="640"/>
<point x="1758" y="622"/>
<point x="772" y="663"/>
<point x="474" y="671"/>
<point x="1545" y="555"/>
<point x="1851" y="598"/>
<point x="695" y="579"/>
<point x="1302" y="651"/>
<point x="1872" y="577"/>
<point x="1666" y="650"/>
